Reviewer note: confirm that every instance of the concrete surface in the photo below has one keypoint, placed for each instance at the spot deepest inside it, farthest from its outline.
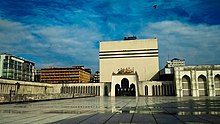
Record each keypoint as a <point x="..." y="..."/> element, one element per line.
<point x="113" y="110"/>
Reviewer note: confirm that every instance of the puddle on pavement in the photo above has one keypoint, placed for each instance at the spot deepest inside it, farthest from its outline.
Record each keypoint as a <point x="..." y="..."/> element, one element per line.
<point x="159" y="110"/>
<point x="13" y="111"/>
<point x="66" y="112"/>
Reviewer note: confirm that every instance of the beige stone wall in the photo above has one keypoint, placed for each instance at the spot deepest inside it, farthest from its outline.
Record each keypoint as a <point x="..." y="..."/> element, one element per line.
<point x="44" y="88"/>
<point x="142" y="55"/>
<point x="26" y="87"/>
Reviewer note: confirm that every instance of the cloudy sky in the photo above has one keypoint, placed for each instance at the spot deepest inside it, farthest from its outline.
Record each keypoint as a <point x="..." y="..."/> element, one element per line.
<point x="63" y="33"/>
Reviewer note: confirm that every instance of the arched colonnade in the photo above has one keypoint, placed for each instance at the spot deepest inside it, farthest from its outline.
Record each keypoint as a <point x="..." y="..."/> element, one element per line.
<point x="160" y="90"/>
<point x="95" y="90"/>
<point x="201" y="85"/>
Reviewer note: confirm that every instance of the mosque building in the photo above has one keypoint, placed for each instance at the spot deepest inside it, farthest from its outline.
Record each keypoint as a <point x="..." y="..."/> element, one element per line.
<point x="130" y="67"/>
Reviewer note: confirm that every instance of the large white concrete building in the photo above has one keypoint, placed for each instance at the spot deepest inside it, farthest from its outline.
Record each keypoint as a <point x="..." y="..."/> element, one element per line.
<point x="140" y="55"/>
<point x="127" y="63"/>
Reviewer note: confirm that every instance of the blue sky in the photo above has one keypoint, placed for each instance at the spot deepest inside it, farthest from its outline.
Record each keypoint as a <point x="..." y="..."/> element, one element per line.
<point x="63" y="33"/>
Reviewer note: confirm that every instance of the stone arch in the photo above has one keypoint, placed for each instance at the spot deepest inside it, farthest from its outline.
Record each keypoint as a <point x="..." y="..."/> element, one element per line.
<point x="202" y="85"/>
<point x="117" y="90"/>
<point x="81" y="89"/>
<point x="61" y="89"/>
<point x="124" y="83"/>
<point x="89" y="91"/>
<point x="156" y="90"/>
<point x="217" y="84"/>
<point x="74" y="89"/>
<point x="132" y="90"/>
<point x="125" y="87"/>
<point x="153" y="91"/>
<point x="201" y="78"/>
<point x="71" y="89"/>
<point x="171" y="90"/>
<point x="93" y="90"/>
<point x="186" y="86"/>
<point x="84" y="89"/>
<point x="96" y="90"/>
<point x="65" y="89"/>
<point x="162" y="87"/>
<point x="159" y="90"/>
<point x="146" y="90"/>
<point x="17" y="86"/>
<point x="106" y="91"/>
<point x="77" y="89"/>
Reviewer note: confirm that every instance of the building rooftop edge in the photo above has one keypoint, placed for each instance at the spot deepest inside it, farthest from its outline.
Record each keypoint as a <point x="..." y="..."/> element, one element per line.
<point x="18" y="57"/>
<point x="212" y="66"/>
<point x="129" y="40"/>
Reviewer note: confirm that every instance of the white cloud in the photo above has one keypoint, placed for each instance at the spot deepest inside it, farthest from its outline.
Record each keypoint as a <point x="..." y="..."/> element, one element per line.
<point x="14" y="37"/>
<point x="198" y="44"/>
<point x="13" y="32"/>
<point x="77" y="45"/>
<point x="72" y="40"/>
<point x="51" y="44"/>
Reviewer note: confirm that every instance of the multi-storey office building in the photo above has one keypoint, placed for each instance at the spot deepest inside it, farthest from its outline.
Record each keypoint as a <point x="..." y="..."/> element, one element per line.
<point x="13" y="67"/>
<point x="76" y="74"/>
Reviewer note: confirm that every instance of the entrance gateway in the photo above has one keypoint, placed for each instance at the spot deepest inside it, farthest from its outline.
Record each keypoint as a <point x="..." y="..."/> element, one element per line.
<point x="125" y="89"/>
<point x="124" y="83"/>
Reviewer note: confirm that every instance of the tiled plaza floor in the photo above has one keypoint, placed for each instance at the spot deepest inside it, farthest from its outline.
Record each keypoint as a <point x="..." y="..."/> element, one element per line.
<point x="114" y="110"/>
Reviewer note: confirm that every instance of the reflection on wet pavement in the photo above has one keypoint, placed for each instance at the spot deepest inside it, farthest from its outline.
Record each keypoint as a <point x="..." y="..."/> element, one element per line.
<point x="115" y="110"/>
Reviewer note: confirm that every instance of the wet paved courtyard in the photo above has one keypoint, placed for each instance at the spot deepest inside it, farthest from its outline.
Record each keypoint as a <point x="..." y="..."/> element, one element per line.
<point x="114" y="110"/>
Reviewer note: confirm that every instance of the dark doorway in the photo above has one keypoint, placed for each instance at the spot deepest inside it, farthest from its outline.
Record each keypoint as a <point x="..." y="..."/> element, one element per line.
<point x="117" y="90"/>
<point x="146" y="90"/>
<point x="153" y="91"/>
<point x="132" y="90"/>
<point x="125" y="87"/>
<point x="106" y="91"/>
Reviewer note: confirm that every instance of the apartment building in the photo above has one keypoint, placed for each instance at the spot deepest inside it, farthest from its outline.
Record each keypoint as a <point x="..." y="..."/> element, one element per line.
<point x="17" y="68"/>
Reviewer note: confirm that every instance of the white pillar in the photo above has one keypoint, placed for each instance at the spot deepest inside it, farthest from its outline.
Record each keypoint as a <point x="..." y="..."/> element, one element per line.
<point x="178" y="83"/>
<point x="210" y="83"/>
